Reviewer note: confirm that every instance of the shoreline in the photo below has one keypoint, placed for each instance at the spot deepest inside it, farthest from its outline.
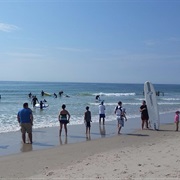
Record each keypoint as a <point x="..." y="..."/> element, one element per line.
<point x="130" y="155"/>
<point x="47" y="138"/>
<point x="142" y="154"/>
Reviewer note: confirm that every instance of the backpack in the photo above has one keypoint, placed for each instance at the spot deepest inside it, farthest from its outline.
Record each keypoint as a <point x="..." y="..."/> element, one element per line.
<point x="120" y="108"/>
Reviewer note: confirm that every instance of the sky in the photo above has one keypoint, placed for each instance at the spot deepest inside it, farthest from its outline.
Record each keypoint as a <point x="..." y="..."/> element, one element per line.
<point x="106" y="41"/>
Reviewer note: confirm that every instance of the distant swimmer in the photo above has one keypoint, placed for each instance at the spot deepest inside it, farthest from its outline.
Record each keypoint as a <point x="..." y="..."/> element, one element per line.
<point x="55" y="95"/>
<point x="34" y="100"/>
<point x="98" y="98"/>
<point x="44" y="100"/>
<point x="30" y="95"/>
<point x="67" y="96"/>
<point x="41" y="105"/>
<point x="60" y="93"/>
<point x="42" y="93"/>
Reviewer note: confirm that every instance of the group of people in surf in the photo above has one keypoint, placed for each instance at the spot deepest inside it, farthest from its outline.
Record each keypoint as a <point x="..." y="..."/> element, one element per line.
<point x="55" y="95"/>
<point x="34" y="99"/>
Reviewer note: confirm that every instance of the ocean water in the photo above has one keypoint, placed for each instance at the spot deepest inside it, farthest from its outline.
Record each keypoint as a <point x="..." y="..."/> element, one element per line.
<point x="14" y="94"/>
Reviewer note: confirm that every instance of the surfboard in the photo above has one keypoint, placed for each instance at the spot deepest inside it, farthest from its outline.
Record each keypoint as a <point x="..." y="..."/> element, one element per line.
<point x="47" y="94"/>
<point x="44" y="105"/>
<point x="152" y="106"/>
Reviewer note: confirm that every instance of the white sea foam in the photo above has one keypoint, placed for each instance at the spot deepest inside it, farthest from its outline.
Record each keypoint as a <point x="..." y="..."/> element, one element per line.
<point x="169" y="103"/>
<point x="170" y="99"/>
<point x="14" y="94"/>
<point x="115" y="94"/>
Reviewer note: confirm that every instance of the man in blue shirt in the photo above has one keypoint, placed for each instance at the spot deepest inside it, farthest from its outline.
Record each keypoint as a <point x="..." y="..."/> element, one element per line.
<point x="25" y="119"/>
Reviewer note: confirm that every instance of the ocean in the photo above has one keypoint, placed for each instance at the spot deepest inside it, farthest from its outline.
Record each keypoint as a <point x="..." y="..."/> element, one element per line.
<point x="14" y="94"/>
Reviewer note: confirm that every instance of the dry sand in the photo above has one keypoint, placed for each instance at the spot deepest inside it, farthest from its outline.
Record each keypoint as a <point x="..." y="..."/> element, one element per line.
<point x="145" y="154"/>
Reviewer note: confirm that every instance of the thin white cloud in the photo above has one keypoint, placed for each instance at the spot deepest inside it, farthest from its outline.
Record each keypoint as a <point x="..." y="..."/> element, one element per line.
<point x="155" y="42"/>
<point x="24" y="55"/>
<point x="72" y="49"/>
<point x="8" y="27"/>
<point x="174" y="39"/>
<point x="151" y="42"/>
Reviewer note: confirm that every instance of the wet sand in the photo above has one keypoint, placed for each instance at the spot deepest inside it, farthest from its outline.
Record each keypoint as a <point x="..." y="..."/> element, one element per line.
<point x="133" y="154"/>
<point x="45" y="138"/>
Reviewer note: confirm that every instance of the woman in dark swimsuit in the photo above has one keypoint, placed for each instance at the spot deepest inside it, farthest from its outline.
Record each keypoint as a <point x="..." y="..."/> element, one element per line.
<point x="63" y="117"/>
<point x="144" y="115"/>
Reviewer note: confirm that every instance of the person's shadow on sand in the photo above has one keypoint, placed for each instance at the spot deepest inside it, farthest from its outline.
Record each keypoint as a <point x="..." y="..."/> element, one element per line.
<point x="137" y="134"/>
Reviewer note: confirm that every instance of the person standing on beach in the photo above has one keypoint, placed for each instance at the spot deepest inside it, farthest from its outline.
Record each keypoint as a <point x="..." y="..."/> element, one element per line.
<point x="87" y="120"/>
<point x="144" y="115"/>
<point x="63" y="118"/>
<point x="102" y="113"/>
<point x="120" y="116"/>
<point x="25" y="119"/>
<point x="176" y="120"/>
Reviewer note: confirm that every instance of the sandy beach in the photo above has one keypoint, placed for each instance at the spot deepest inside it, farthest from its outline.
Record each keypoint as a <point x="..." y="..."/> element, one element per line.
<point x="143" y="154"/>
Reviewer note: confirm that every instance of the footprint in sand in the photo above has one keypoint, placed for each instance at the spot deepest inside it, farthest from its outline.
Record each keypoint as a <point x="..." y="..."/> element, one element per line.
<point x="50" y="173"/>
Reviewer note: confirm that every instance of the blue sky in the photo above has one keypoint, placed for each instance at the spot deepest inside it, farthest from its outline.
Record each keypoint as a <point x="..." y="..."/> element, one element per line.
<point x="90" y="41"/>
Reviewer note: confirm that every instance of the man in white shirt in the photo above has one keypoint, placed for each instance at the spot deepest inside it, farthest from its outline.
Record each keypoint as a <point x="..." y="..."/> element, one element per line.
<point x="102" y="113"/>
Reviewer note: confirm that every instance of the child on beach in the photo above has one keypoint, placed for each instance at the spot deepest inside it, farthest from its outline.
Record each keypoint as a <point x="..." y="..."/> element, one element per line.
<point x="176" y="120"/>
<point x="87" y="120"/>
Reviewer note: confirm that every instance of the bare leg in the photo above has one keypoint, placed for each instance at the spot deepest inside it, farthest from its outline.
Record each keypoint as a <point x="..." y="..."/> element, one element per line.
<point x="177" y="126"/>
<point x="142" y="125"/>
<point x="119" y="128"/>
<point x="65" y="127"/>
<point x="147" y="124"/>
<point x="103" y="121"/>
<point x="60" y="130"/>
<point x="99" y="121"/>
<point x="24" y="137"/>
<point x="30" y="137"/>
